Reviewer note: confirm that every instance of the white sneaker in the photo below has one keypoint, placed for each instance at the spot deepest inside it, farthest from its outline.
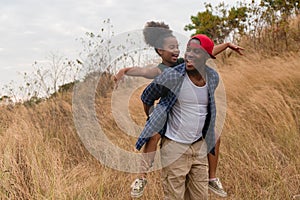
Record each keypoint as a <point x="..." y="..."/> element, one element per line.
<point x="137" y="187"/>
<point x="216" y="187"/>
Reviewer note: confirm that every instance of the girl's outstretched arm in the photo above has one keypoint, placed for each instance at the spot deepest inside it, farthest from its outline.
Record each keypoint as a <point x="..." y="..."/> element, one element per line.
<point x="221" y="47"/>
<point x="146" y="72"/>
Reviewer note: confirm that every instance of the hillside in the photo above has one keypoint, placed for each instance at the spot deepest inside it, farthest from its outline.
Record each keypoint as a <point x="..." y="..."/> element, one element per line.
<point x="42" y="156"/>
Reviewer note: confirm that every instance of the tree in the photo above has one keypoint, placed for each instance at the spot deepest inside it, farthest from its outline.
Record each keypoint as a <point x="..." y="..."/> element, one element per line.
<point x="206" y="23"/>
<point x="277" y="20"/>
<point x="219" y="22"/>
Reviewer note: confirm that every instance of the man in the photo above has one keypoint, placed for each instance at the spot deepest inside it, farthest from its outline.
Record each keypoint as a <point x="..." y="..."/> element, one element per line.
<point x="185" y="116"/>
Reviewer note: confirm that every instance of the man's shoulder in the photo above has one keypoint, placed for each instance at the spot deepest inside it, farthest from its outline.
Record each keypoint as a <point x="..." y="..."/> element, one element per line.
<point x="162" y="67"/>
<point x="178" y="68"/>
<point x="212" y="71"/>
<point x="170" y="76"/>
<point x="171" y="71"/>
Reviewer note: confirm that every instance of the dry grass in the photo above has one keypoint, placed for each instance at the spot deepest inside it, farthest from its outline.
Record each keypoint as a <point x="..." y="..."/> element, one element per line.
<point x="43" y="158"/>
<point x="259" y="148"/>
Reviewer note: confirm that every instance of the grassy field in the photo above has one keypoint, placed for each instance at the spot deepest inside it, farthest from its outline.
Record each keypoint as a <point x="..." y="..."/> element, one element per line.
<point x="42" y="156"/>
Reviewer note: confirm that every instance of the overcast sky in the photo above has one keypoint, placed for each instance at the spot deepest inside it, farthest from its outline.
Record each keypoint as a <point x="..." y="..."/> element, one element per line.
<point x="31" y="29"/>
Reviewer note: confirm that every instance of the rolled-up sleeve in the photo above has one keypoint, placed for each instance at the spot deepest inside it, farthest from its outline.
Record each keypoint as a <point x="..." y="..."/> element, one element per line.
<point x="150" y="94"/>
<point x="154" y="90"/>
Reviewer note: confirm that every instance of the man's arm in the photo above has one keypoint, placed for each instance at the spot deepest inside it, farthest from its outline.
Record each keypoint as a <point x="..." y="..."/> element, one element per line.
<point x="151" y="93"/>
<point x="155" y="90"/>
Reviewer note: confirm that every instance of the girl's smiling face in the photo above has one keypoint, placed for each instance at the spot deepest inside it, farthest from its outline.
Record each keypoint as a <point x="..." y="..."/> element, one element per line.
<point x="170" y="51"/>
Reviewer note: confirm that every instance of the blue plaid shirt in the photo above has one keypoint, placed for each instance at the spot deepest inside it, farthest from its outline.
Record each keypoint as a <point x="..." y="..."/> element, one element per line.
<point x="167" y="87"/>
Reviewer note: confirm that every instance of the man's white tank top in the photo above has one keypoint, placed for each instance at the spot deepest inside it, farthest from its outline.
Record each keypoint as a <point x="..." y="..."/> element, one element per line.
<point x="187" y="117"/>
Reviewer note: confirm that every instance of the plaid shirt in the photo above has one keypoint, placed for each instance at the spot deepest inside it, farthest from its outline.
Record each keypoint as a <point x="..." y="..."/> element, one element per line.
<point x="167" y="87"/>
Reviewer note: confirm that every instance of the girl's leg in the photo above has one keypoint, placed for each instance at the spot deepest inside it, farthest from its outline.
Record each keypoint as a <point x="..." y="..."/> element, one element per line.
<point x="149" y="152"/>
<point x="215" y="184"/>
<point x="213" y="161"/>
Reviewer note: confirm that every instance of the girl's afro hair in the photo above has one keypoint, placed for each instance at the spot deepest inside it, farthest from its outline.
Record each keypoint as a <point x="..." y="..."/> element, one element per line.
<point x="155" y="33"/>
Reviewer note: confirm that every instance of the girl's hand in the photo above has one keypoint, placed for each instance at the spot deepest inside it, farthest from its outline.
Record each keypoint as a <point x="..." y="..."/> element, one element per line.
<point x="118" y="77"/>
<point x="236" y="48"/>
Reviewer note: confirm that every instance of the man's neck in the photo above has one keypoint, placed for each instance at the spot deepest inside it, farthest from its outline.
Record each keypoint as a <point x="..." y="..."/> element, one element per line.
<point x="197" y="78"/>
